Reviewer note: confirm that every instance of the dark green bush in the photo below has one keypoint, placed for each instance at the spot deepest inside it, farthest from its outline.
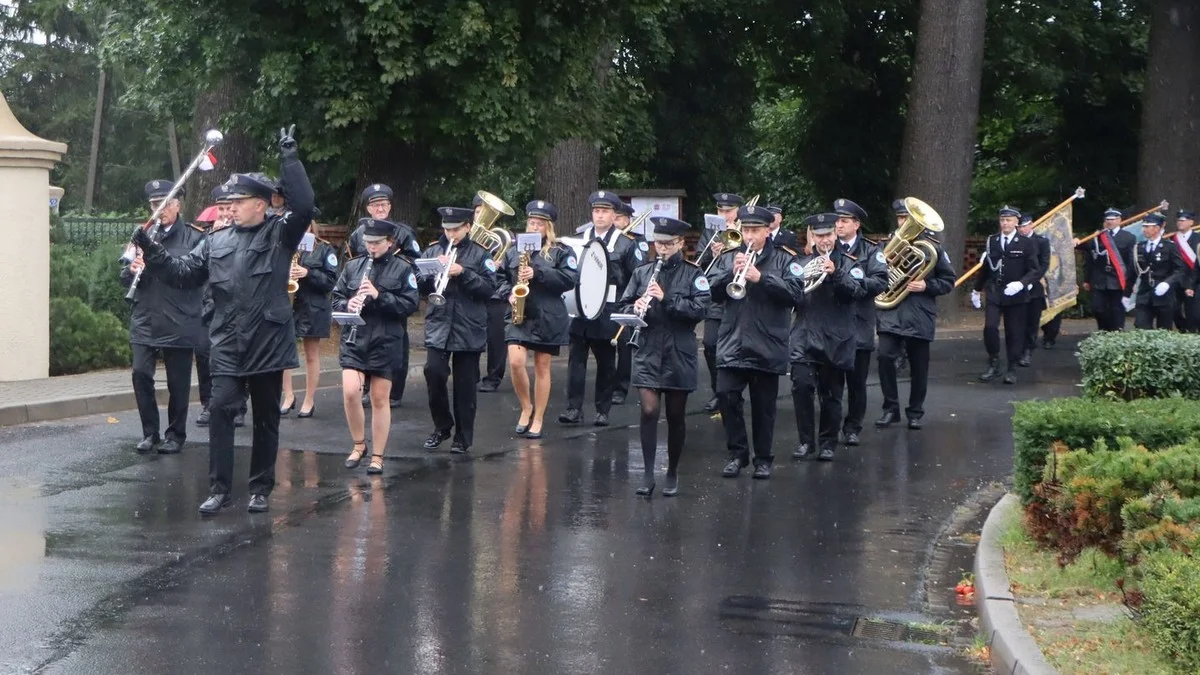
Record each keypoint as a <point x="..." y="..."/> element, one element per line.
<point x="90" y="274"/>
<point x="1160" y="520"/>
<point x="1137" y="364"/>
<point x="1079" y="423"/>
<point x="83" y="340"/>
<point x="1170" y="610"/>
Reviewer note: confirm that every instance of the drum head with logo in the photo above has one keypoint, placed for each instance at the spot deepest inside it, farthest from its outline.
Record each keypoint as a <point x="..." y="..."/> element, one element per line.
<point x="591" y="293"/>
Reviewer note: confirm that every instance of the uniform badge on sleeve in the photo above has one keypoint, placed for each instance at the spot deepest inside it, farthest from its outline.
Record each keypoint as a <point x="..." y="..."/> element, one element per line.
<point x="412" y="280"/>
<point x="415" y="247"/>
<point x="796" y="269"/>
<point x="856" y="273"/>
<point x="702" y="283"/>
<point x="572" y="262"/>
<point x="643" y="247"/>
<point x="637" y="253"/>
<point x="331" y="260"/>
<point x="879" y="258"/>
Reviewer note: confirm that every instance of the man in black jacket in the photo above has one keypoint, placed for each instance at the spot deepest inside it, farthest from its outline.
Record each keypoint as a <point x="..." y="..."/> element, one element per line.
<point x="497" y="348"/>
<point x="1010" y="266"/>
<point x="165" y="319"/>
<point x="1187" y="305"/>
<point x="1161" y="273"/>
<point x="909" y="328"/>
<point x="1037" y="294"/>
<point x="1108" y="271"/>
<point x="252" y="334"/>
<point x="624" y="217"/>
<point x="752" y="348"/>
<point x="456" y="318"/>
<point x="780" y="236"/>
<point x="727" y="208"/>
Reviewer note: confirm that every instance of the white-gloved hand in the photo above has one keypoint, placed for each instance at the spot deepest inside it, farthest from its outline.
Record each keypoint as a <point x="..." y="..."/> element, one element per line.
<point x="975" y="301"/>
<point x="1162" y="288"/>
<point x="1013" y="288"/>
<point x="1128" y="304"/>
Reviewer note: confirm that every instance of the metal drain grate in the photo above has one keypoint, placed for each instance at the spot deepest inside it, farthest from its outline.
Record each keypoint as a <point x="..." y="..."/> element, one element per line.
<point x="876" y="629"/>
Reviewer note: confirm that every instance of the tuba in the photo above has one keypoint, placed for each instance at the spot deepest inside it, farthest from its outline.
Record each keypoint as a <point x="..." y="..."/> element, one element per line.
<point x="497" y="241"/>
<point x="910" y="258"/>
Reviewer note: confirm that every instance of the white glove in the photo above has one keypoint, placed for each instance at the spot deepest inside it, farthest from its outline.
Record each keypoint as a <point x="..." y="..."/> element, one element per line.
<point x="975" y="301"/>
<point x="1162" y="288"/>
<point x="1013" y="288"/>
<point x="1128" y="304"/>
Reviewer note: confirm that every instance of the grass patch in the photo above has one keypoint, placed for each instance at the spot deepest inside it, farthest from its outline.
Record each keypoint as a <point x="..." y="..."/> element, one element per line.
<point x="1036" y="573"/>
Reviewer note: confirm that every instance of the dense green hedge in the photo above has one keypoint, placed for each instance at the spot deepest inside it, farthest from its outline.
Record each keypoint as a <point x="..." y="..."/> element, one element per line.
<point x="91" y="274"/>
<point x="1170" y="606"/>
<point x="1079" y="423"/>
<point x="1137" y="364"/>
<point x="83" y="340"/>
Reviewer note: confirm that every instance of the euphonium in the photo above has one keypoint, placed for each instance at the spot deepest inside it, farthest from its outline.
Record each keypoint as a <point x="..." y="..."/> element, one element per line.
<point x="520" y="291"/>
<point x="909" y="258"/>
<point x="294" y="284"/>
<point x="498" y="241"/>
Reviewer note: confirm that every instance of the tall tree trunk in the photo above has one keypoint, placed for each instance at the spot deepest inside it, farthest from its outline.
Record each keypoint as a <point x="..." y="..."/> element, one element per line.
<point x="566" y="175"/>
<point x="400" y="166"/>
<point x="1169" y="157"/>
<point x="943" y="110"/>
<point x="237" y="152"/>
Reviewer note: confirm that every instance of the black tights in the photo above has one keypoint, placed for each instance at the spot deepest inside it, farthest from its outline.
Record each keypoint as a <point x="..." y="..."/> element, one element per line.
<point x="676" y="427"/>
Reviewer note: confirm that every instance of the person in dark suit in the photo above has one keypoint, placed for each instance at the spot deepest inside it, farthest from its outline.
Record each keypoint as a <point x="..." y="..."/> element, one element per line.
<point x="1161" y="273"/>
<point x="1187" y="305"/>
<point x="780" y="236"/>
<point x="1108" y="271"/>
<point x="624" y="350"/>
<point x="727" y="208"/>
<point x="1037" y="294"/>
<point x="1010" y="267"/>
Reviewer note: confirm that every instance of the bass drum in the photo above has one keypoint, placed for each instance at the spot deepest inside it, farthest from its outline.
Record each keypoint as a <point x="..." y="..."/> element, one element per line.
<point x="590" y="294"/>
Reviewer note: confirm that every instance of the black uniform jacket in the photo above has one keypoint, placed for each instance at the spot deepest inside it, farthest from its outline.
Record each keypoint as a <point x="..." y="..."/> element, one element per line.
<point x="311" y="303"/>
<point x="546" y="321"/>
<point x="1164" y="264"/>
<point x="1043" y="244"/>
<point x="1191" y="241"/>
<point x="460" y="325"/>
<point x="824" y="331"/>
<point x="1098" y="269"/>
<point x="787" y="238"/>
<point x="378" y="341"/>
<point x="704" y="259"/>
<point x="405" y="242"/>
<point x="916" y="315"/>
<point x="754" y="330"/>
<point x="868" y="260"/>
<point x="625" y="253"/>
<point x="167" y="313"/>
<point x="1020" y="262"/>
<point x="666" y="357"/>
<point x="252" y="330"/>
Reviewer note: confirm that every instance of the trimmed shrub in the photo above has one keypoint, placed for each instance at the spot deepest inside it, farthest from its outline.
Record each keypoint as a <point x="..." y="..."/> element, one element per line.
<point x="1160" y="520"/>
<point x="83" y="340"/>
<point x="90" y="274"/>
<point x="1080" y="423"/>
<point x="1170" y="610"/>
<point x="1129" y="365"/>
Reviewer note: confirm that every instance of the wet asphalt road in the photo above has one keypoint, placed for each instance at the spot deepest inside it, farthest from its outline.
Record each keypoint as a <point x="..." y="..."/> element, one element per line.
<point x="535" y="557"/>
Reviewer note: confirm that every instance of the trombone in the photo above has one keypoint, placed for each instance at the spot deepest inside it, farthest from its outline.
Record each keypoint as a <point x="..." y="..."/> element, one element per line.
<point x="731" y="237"/>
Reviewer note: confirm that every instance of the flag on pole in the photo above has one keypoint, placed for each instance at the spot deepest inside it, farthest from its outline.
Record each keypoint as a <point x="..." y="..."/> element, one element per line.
<point x="1061" y="289"/>
<point x="208" y="162"/>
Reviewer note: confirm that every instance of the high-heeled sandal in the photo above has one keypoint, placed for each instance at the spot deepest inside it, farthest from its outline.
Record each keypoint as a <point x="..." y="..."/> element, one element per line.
<point x="376" y="465"/>
<point x="356" y="455"/>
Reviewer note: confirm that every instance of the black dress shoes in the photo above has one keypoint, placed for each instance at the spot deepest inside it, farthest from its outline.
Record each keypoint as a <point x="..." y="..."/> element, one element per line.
<point x="1025" y="360"/>
<point x="1047" y="344"/>
<point x="393" y="403"/>
<point x="826" y="454"/>
<point x="732" y="469"/>
<point x="601" y="420"/>
<point x="203" y="419"/>
<point x="712" y="406"/>
<point x="888" y="418"/>
<point x="672" y="486"/>
<point x="258" y="504"/>
<point x="914" y="423"/>
<point x="571" y="416"/>
<point x="458" y="448"/>
<point x="366" y="400"/>
<point x="762" y="472"/>
<point x="647" y="487"/>
<point x="618" y="399"/>
<point x="147" y="444"/>
<point x="214" y="504"/>
<point x="852" y="438"/>
<point x="488" y="387"/>
<point x="170" y="447"/>
<point x="992" y="372"/>
<point x="239" y="420"/>
<point x="804" y="451"/>
<point x="1010" y="377"/>
<point x="436" y="439"/>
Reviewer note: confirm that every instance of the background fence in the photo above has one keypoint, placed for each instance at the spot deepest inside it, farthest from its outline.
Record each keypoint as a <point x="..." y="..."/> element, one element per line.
<point x="86" y="231"/>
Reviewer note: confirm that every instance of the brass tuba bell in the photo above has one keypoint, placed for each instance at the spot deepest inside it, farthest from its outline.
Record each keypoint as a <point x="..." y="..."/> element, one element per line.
<point x="497" y="241"/>
<point x="909" y="258"/>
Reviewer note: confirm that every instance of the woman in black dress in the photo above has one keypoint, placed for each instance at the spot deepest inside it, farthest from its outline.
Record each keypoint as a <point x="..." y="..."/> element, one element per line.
<point x="382" y="289"/>
<point x="316" y="272"/>
<point x="551" y="271"/>
<point x="671" y="295"/>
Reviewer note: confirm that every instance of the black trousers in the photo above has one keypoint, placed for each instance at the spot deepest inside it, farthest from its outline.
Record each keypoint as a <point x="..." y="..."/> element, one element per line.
<point x="1051" y="329"/>
<point x="624" y="365"/>
<point x="764" y="389"/>
<point x="204" y="375"/>
<point x="1187" y="313"/>
<point x="1148" y="316"/>
<point x="1108" y="310"/>
<point x="400" y="372"/>
<point x="177" y="362"/>
<point x="856" y="392"/>
<point x="1014" y="331"/>
<point x="606" y="366"/>
<point x="465" y="367"/>
<point x="711" y="326"/>
<point x="497" y="349"/>
<point x="891" y="346"/>
<point x="1033" y="321"/>
<point x="826" y="383"/>
<point x="227" y="396"/>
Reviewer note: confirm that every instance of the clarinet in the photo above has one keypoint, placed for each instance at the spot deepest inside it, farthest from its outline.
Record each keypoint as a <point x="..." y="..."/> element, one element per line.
<point x="637" y="332"/>
<point x="352" y="336"/>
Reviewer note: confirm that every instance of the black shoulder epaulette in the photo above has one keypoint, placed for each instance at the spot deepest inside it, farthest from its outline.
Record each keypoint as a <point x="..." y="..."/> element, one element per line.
<point x="197" y="227"/>
<point x="854" y="258"/>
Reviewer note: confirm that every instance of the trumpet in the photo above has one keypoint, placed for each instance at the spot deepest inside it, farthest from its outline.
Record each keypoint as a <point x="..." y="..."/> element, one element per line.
<point x="736" y="289"/>
<point x="637" y="332"/>
<point x="294" y="284"/>
<point x="438" y="297"/>
<point x="352" y="337"/>
<point x="814" y="270"/>
<point x="520" y="292"/>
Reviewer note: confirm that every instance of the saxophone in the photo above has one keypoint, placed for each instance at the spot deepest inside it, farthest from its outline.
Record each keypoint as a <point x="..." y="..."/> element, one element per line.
<point x="520" y="291"/>
<point x="294" y="284"/>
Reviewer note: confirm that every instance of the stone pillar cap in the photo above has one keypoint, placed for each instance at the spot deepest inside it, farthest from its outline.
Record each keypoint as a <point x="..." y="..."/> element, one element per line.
<point x="18" y="147"/>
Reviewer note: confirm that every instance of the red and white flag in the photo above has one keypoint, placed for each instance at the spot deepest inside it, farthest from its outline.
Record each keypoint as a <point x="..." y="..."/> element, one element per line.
<point x="208" y="162"/>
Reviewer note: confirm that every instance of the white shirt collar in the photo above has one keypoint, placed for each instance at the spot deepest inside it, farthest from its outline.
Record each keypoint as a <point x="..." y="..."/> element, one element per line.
<point x="851" y="243"/>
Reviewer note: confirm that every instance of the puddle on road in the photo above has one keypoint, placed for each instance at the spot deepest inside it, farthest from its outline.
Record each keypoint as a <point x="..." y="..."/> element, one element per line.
<point x="23" y="531"/>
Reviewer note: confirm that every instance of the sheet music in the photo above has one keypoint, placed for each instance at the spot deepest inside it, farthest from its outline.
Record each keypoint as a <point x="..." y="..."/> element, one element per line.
<point x="530" y="242"/>
<point x="348" y="319"/>
<point x="307" y="242"/>
<point x="427" y="266"/>
<point x="714" y="222"/>
<point x="628" y="320"/>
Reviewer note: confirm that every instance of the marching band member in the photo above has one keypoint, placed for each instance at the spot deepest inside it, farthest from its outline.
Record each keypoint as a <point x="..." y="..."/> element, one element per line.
<point x="165" y="319"/>
<point x="1010" y="268"/>
<point x="456" y="329"/>
<point x="1162" y="273"/>
<point x="1108" y="271"/>
<point x="752" y="348"/>
<point x="624" y="349"/>
<point x="868" y="267"/>
<point x="253" y="338"/>
<point x="377" y="200"/>
<point x="220" y="199"/>
<point x="545" y="326"/>
<point x="382" y="289"/>
<point x="624" y="254"/>
<point x="497" y="306"/>
<point x="1037" y="294"/>
<point x="780" y="236"/>
<point x="908" y="328"/>
<point x="316" y="272"/>
<point x="727" y="208"/>
<point x="1187" y="308"/>
<point x="672" y="296"/>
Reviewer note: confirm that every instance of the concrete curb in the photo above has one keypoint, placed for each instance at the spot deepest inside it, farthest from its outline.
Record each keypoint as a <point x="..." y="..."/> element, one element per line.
<point x="1013" y="648"/>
